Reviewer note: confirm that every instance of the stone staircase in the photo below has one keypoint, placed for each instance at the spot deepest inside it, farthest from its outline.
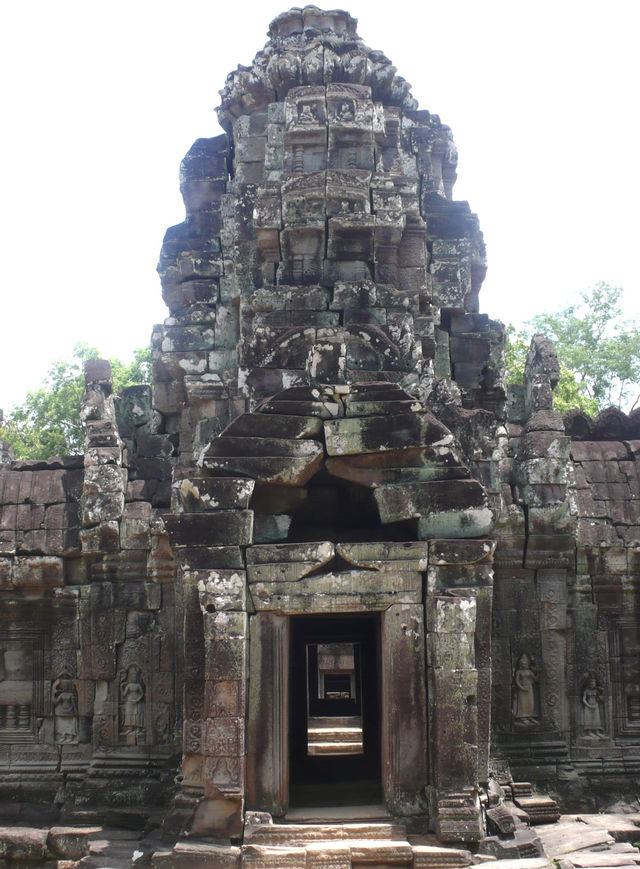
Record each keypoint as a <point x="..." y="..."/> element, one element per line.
<point x="335" y="735"/>
<point x="342" y="846"/>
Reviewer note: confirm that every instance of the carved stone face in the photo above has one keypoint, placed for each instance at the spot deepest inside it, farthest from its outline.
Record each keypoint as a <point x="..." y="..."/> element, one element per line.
<point x="318" y="235"/>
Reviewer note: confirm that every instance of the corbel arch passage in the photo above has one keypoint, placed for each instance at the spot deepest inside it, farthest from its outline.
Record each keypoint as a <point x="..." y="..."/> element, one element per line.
<point x="358" y="462"/>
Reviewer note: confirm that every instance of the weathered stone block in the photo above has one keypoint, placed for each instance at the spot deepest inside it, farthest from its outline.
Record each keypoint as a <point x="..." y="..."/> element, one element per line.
<point x="103" y="495"/>
<point x="224" y="625"/>
<point x="225" y="699"/>
<point x="200" y="494"/>
<point x="414" y="500"/>
<point x="225" y="659"/>
<point x="26" y="844"/>
<point x="377" y="433"/>
<point x="206" y="529"/>
<point x="221" y="589"/>
<point x="224" y="737"/>
<point x="207" y="557"/>
<point x="451" y="650"/>
<point x="462" y="552"/>
<point x="356" y="590"/>
<point x="193" y="855"/>
<point x="475" y="522"/>
<point x="220" y="817"/>
<point x="283" y="470"/>
<point x="104" y="537"/>
<point x="5" y="574"/>
<point x="270" y="426"/>
<point x="290" y="552"/>
<point x="455" y="614"/>
<point x="38" y="573"/>
<point x="70" y="843"/>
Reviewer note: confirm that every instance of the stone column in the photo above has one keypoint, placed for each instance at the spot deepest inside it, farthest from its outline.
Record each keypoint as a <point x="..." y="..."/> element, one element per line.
<point x="404" y="726"/>
<point x="268" y="728"/>
<point x="552" y="597"/>
<point x="223" y="743"/>
<point x="458" y="607"/>
<point x="207" y="530"/>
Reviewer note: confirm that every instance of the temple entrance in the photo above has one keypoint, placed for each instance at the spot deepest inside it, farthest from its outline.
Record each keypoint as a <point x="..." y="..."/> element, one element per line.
<point x="335" y="710"/>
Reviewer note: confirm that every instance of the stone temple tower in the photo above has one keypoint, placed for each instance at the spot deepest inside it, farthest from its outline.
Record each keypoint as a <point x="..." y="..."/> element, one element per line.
<point x="328" y="560"/>
<point x="323" y="347"/>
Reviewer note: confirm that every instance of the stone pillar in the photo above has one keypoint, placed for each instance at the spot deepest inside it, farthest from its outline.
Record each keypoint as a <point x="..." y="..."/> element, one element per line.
<point x="458" y="607"/>
<point x="105" y="480"/>
<point x="207" y="529"/>
<point x="223" y="743"/>
<point x="552" y="597"/>
<point x="268" y="730"/>
<point x="404" y="726"/>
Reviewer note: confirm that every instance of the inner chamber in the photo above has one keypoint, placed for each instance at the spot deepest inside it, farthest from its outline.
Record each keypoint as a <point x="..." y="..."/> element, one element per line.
<point x="335" y="710"/>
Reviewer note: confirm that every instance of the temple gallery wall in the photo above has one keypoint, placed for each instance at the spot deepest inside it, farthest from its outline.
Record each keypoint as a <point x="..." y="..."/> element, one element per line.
<point x="328" y="555"/>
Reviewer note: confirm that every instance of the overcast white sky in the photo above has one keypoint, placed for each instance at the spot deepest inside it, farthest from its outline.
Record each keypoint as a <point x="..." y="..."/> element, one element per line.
<point x="102" y="99"/>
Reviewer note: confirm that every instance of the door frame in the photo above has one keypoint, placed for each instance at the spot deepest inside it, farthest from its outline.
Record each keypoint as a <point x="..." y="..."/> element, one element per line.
<point x="403" y="707"/>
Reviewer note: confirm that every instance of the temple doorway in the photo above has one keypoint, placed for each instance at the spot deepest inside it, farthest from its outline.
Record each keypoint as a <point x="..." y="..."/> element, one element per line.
<point x="334" y="710"/>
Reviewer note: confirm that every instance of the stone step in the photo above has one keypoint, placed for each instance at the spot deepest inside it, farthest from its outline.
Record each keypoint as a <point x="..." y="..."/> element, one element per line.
<point x="195" y="855"/>
<point x="335" y="734"/>
<point x="371" y="814"/>
<point x="335" y="748"/>
<point x="295" y="834"/>
<point x="349" y="853"/>
<point x="382" y="853"/>
<point x="328" y="855"/>
<point x="436" y="857"/>
<point x="270" y="857"/>
<point x="339" y="721"/>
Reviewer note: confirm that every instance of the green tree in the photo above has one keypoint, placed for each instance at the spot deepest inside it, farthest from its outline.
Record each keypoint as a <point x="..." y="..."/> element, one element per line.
<point x="516" y="349"/>
<point x="598" y="351"/>
<point x="47" y="422"/>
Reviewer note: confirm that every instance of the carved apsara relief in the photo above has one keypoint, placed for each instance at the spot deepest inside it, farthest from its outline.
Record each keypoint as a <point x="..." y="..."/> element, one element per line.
<point x="526" y="703"/>
<point x="132" y="706"/>
<point x="592" y="708"/>
<point x="64" y="702"/>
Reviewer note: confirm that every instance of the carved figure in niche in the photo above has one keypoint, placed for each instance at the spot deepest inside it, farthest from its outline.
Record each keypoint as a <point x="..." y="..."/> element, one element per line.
<point x="525" y="701"/>
<point x="591" y="699"/>
<point x="64" y="699"/>
<point x="345" y="112"/>
<point x="306" y="115"/>
<point x="132" y="692"/>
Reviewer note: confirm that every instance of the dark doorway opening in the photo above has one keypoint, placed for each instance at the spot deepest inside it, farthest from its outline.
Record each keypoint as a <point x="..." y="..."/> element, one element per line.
<point x="335" y="710"/>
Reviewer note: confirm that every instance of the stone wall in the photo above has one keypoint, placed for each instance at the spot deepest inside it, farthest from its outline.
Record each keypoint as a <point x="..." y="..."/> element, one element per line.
<point x="88" y="710"/>
<point x="328" y="434"/>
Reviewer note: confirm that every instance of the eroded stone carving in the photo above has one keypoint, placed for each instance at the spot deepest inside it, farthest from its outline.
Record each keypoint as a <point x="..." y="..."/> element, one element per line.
<point x="326" y="436"/>
<point x="526" y="709"/>
<point x="592" y="708"/>
<point x="132" y="707"/>
<point x="64" y="699"/>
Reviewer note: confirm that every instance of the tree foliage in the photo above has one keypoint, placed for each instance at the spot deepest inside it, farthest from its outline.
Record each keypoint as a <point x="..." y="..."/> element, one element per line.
<point x="47" y="422"/>
<point x="598" y="351"/>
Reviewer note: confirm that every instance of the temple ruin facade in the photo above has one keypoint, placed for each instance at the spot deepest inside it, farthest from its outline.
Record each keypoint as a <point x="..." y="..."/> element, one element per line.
<point x="329" y="558"/>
